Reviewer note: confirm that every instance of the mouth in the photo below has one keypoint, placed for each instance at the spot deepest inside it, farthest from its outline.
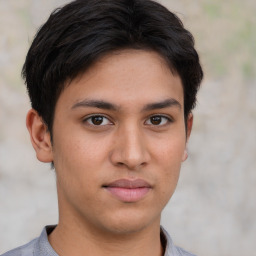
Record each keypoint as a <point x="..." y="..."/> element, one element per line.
<point x="127" y="190"/>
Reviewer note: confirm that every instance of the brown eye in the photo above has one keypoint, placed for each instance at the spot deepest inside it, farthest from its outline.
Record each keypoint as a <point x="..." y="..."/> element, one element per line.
<point x="156" y="120"/>
<point x="97" y="120"/>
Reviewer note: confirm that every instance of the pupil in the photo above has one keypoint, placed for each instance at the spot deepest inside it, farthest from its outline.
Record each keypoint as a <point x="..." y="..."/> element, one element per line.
<point x="97" y="120"/>
<point x="156" y="120"/>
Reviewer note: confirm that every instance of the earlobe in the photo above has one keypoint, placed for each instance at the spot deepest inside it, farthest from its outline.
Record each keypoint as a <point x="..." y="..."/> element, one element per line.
<point x="39" y="136"/>
<point x="185" y="155"/>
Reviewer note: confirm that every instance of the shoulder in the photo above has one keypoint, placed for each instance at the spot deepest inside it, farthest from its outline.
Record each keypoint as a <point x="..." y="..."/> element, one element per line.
<point x="181" y="252"/>
<point x="38" y="247"/>
<point x="170" y="248"/>
<point x="25" y="250"/>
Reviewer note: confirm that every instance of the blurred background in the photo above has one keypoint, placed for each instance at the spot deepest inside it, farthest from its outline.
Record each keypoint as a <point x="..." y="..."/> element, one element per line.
<point x="213" y="210"/>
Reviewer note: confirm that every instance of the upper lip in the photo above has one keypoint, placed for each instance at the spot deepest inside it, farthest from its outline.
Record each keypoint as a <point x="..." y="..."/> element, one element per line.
<point x="127" y="183"/>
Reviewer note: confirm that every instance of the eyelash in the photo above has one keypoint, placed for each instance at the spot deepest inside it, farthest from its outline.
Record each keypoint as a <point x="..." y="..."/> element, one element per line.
<point x="168" y="119"/>
<point x="95" y="116"/>
<point x="86" y="120"/>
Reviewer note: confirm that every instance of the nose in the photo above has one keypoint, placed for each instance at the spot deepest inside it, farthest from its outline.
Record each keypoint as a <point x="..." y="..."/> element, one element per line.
<point x="130" y="149"/>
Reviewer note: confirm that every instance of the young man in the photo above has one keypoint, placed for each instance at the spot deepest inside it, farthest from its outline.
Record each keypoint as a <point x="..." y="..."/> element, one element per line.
<point x="112" y="84"/>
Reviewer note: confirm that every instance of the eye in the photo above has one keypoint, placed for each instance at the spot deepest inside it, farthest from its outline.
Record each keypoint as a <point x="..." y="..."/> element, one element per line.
<point x="97" y="120"/>
<point x="158" y="120"/>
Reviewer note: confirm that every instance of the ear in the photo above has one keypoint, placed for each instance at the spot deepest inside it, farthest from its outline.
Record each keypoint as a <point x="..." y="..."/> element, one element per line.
<point x="188" y="132"/>
<point x="39" y="136"/>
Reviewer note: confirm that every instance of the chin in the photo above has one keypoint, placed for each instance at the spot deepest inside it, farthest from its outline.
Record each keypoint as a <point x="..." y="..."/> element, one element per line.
<point x="125" y="228"/>
<point x="130" y="222"/>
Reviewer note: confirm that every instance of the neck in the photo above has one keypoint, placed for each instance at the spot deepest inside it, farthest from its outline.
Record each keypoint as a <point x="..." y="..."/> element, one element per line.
<point x="76" y="240"/>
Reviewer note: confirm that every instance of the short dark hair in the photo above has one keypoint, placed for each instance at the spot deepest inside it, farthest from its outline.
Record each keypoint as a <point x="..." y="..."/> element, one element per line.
<point x="78" y="34"/>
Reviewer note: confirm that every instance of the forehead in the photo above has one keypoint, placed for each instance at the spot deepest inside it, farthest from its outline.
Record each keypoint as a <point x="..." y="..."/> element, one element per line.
<point x="126" y="77"/>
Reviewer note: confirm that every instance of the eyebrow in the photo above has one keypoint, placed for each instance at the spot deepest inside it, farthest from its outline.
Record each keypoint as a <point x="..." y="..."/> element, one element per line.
<point x="95" y="104"/>
<point x="110" y="106"/>
<point x="162" y="104"/>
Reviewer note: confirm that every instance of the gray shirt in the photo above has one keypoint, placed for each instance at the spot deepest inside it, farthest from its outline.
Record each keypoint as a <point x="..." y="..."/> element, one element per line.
<point x="41" y="246"/>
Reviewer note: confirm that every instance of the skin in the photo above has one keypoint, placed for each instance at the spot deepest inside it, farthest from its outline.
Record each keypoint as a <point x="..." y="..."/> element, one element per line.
<point x="122" y="143"/>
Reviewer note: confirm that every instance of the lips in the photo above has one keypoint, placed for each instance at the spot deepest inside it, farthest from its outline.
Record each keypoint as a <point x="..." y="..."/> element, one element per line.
<point x="128" y="190"/>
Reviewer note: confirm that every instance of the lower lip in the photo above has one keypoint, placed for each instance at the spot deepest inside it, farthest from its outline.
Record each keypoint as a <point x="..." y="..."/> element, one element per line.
<point x="128" y="194"/>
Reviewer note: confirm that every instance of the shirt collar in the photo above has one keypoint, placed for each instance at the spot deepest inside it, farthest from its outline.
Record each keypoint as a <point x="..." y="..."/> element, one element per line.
<point x="43" y="247"/>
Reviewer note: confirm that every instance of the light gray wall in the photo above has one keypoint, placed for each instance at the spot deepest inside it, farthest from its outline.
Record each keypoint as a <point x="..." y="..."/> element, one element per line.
<point x="214" y="208"/>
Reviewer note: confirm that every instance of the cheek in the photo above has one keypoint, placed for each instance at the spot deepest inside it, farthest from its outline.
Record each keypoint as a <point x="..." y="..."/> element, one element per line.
<point x="77" y="160"/>
<point x="171" y="164"/>
<point x="169" y="151"/>
<point x="80" y="147"/>
<point x="169" y="158"/>
<point x="76" y="172"/>
<point x="81" y="160"/>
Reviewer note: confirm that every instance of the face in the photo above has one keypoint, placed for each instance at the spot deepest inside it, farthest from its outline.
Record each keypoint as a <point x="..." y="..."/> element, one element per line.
<point x="118" y="142"/>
